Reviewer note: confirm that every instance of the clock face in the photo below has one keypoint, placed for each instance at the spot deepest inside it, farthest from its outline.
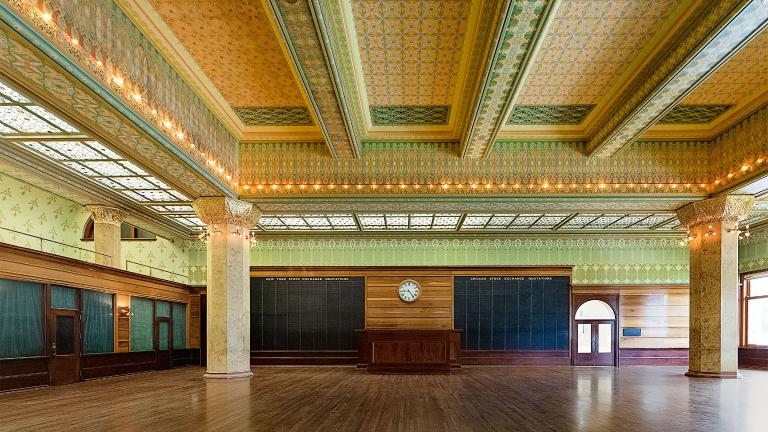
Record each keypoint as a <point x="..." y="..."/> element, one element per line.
<point x="409" y="291"/>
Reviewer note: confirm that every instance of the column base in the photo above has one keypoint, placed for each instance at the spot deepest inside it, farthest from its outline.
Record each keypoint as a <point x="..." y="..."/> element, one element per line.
<point x="716" y="375"/>
<point x="227" y="375"/>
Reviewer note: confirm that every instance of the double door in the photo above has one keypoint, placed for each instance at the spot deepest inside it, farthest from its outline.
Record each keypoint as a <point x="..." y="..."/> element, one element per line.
<point x="594" y="343"/>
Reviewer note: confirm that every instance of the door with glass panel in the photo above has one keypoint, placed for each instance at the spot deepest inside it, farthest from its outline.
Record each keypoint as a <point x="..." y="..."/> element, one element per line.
<point x="594" y="342"/>
<point x="64" y="335"/>
<point x="164" y="341"/>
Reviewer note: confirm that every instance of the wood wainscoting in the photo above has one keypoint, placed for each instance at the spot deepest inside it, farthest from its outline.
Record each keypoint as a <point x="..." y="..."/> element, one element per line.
<point x="753" y="357"/>
<point x="121" y="363"/>
<point x="23" y="373"/>
<point x="517" y="358"/>
<point x="17" y="263"/>
<point x="657" y="318"/>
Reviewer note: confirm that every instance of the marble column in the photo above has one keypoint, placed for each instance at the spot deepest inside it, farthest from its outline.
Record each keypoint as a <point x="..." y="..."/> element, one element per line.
<point x="228" y="222"/>
<point x="714" y="283"/>
<point x="106" y="233"/>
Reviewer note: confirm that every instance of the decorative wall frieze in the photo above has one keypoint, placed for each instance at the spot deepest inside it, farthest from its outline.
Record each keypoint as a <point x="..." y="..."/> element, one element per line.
<point x="30" y="69"/>
<point x="222" y="211"/>
<point x="512" y="167"/>
<point x="518" y="31"/>
<point x="107" y="215"/>
<point x="314" y="57"/>
<point x="101" y="40"/>
<point x="725" y="209"/>
<point x="713" y="33"/>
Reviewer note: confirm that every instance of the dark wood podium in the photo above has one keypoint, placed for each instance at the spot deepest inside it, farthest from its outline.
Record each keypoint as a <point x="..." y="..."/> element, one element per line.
<point x="426" y="351"/>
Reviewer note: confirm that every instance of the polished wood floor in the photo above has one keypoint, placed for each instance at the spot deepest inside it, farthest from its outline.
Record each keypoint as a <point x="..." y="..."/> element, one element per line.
<point x="347" y="399"/>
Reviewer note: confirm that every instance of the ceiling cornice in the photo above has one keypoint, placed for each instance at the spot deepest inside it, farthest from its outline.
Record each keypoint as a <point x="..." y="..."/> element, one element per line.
<point x="715" y="32"/>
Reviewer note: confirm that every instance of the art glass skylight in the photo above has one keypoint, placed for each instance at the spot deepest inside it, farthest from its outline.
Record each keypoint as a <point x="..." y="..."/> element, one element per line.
<point x="39" y="131"/>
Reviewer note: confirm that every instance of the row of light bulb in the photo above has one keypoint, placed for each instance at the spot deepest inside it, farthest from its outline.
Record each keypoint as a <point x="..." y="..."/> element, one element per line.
<point x="176" y="131"/>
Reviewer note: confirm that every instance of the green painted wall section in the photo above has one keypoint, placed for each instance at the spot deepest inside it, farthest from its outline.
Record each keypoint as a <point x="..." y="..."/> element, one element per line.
<point x="753" y="252"/>
<point x="595" y="260"/>
<point x="33" y="211"/>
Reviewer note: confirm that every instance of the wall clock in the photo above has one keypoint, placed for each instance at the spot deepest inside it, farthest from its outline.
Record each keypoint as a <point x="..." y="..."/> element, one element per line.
<point x="409" y="291"/>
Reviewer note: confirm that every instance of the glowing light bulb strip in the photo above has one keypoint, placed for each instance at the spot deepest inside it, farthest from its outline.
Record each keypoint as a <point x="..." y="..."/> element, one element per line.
<point x="133" y="95"/>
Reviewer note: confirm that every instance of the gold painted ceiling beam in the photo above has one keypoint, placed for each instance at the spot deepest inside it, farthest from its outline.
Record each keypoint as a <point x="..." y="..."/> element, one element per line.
<point x="712" y="34"/>
<point x="302" y="25"/>
<point x="518" y="30"/>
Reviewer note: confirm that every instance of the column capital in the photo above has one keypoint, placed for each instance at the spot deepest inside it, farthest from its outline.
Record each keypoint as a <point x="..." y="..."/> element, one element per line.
<point x="223" y="210"/>
<point x="728" y="208"/>
<point x="107" y="215"/>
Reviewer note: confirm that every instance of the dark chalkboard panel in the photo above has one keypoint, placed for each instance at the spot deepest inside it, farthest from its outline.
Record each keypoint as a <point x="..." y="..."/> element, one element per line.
<point x="512" y="312"/>
<point x="306" y="313"/>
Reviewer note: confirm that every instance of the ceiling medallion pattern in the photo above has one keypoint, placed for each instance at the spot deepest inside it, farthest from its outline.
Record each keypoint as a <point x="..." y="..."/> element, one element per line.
<point x="17" y="60"/>
<point x="274" y="116"/>
<point x="410" y="50"/>
<point x="743" y="74"/>
<point x="522" y="25"/>
<point x="693" y="114"/>
<point x="395" y="115"/>
<point x="588" y="46"/>
<point x="549" y="114"/>
<point x="113" y="51"/>
<point x="657" y="92"/>
<point x="233" y="42"/>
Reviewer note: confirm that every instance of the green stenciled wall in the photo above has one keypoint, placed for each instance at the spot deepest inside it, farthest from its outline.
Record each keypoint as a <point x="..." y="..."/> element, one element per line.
<point x="37" y="212"/>
<point x="753" y="252"/>
<point x="595" y="260"/>
<point x="31" y="210"/>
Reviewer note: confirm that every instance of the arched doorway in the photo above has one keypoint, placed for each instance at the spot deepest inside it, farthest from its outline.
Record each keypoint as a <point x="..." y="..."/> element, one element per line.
<point x="594" y="329"/>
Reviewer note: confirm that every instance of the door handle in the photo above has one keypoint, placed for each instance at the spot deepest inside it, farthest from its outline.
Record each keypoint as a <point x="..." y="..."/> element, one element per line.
<point x="53" y="351"/>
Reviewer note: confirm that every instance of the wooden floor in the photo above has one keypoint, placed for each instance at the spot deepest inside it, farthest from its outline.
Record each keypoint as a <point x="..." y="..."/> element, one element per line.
<point x="347" y="399"/>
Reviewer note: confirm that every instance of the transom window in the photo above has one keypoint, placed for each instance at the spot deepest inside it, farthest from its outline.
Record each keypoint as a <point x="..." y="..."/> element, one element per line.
<point x="595" y="310"/>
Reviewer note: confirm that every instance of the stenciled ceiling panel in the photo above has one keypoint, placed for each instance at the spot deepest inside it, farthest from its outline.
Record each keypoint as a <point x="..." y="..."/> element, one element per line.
<point x="410" y="50"/>
<point x="745" y="73"/>
<point x="235" y="45"/>
<point x="588" y="46"/>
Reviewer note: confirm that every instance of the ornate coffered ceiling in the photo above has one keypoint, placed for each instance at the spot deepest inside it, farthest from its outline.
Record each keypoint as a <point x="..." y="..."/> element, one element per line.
<point x="457" y="101"/>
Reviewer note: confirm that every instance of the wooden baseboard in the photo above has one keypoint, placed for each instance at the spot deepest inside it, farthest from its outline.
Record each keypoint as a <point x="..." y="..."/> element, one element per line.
<point x="519" y="357"/>
<point x="23" y="373"/>
<point x="653" y="357"/>
<point x="321" y="358"/>
<point x="753" y="358"/>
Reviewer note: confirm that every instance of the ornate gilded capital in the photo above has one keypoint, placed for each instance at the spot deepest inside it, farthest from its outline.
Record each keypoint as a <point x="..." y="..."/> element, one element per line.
<point x="729" y="208"/>
<point x="107" y="215"/>
<point x="222" y="210"/>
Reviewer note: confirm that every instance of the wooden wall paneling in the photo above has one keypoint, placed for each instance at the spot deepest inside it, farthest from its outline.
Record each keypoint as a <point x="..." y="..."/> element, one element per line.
<point x="661" y="312"/>
<point x="433" y="310"/>
<point x="654" y="357"/>
<point x="193" y="321"/>
<point x="29" y="265"/>
<point x="753" y="357"/>
<point x="109" y="364"/>
<point x="23" y="373"/>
